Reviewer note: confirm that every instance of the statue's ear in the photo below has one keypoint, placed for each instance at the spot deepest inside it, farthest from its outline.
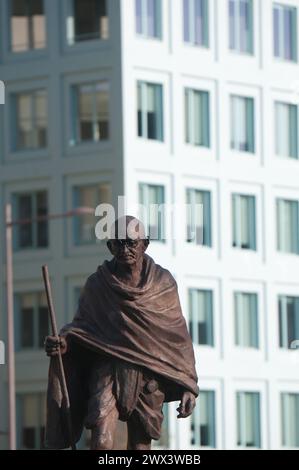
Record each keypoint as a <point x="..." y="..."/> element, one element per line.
<point x="146" y="243"/>
<point x="109" y="246"/>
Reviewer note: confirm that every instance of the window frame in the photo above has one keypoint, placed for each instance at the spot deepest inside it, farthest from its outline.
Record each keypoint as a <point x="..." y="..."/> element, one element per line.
<point x="236" y="200"/>
<point x="239" y="320"/>
<point x="143" y="198"/>
<point x="34" y="225"/>
<point x="281" y="8"/>
<point x="295" y="144"/>
<point x="280" y="226"/>
<point x="158" y="20"/>
<point x="240" y="412"/>
<point x="196" y="421"/>
<point x="75" y="139"/>
<point x="249" y="127"/>
<point x="70" y="36"/>
<point x="76" y="203"/>
<point x="31" y="49"/>
<point x="36" y="321"/>
<point x="284" y="411"/>
<point x="142" y="92"/>
<point x="237" y="28"/>
<point x="15" y="135"/>
<point x="189" y="24"/>
<point x="209" y="315"/>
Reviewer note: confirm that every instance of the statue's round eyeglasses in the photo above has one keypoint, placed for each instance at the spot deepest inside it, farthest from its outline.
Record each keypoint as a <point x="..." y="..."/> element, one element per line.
<point x="125" y="242"/>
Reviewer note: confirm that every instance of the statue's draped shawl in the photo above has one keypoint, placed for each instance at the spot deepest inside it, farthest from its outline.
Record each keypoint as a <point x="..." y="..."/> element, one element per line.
<point x="142" y="325"/>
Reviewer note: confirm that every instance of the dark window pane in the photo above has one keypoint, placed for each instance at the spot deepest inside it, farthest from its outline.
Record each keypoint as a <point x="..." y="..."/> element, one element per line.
<point x="27" y="328"/>
<point x="42" y="226"/>
<point x="25" y="212"/>
<point x="42" y="438"/>
<point x="86" y="130"/>
<point x="29" y="438"/>
<point x="103" y="127"/>
<point x="291" y="321"/>
<point x="43" y="325"/>
<point x="204" y="435"/>
<point x="139" y="124"/>
<point x="202" y="333"/>
<point x="36" y="7"/>
<point x="90" y="19"/>
<point x="151" y="125"/>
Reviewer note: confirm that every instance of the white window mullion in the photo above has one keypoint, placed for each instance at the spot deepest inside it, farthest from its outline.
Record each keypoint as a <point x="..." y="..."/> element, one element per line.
<point x="239" y="224"/>
<point x="192" y="116"/>
<point x="144" y="17"/>
<point x="243" y="418"/>
<point x="281" y="31"/>
<point x="287" y="420"/>
<point x="238" y="25"/>
<point x="192" y="21"/>
<point x="195" y="316"/>
<point x="197" y="436"/>
<point x="192" y="213"/>
<point x="144" y="109"/>
<point x="242" y="322"/>
<point x="284" y="322"/>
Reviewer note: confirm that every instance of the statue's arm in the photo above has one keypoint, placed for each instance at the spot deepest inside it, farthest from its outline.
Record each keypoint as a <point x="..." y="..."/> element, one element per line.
<point x="52" y="345"/>
<point x="187" y="405"/>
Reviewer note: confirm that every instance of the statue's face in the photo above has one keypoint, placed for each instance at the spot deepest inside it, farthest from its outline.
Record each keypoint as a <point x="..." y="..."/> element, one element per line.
<point x="127" y="251"/>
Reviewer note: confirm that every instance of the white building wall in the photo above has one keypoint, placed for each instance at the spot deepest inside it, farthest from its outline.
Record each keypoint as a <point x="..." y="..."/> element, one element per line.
<point x="224" y="368"/>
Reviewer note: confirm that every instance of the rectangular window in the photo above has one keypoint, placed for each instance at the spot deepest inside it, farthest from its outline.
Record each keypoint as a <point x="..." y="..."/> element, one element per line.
<point x="248" y="419"/>
<point x="31" y="414"/>
<point x="203" y="432"/>
<point x="150" y="111"/>
<point x="285" y="32"/>
<point x="242" y="124"/>
<point x="199" y="226"/>
<point x="148" y="18"/>
<point x="34" y="233"/>
<point x="246" y="320"/>
<point x="197" y="117"/>
<point x="201" y="316"/>
<point x="89" y="197"/>
<point x="88" y="20"/>
<point x="163" y="442"/>
<point x="27" y="24"/>
<point x="31" y="120"/>
<point x="196" y="22"/>
<point x="244" y="221"/>
<point x="91" y="111"/>
<point x="152" y="200"/>
<point x="241" y="26"/>
<point x="32" y="321"/>
<point x="287" y="226"/>
<point x="288" y="320"/>
<point x="286" y="130"/>
<point x="290" y="419"/>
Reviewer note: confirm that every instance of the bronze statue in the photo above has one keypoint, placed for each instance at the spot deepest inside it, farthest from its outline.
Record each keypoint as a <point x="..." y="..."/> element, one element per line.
<point x="126" y="352"/>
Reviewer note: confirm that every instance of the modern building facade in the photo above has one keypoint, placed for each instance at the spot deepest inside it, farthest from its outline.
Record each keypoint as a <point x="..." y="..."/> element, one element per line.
<point x="167" y="102"/>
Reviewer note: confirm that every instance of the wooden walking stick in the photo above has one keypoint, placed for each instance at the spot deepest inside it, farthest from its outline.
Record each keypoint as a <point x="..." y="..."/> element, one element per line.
<point x="59" y="357"/>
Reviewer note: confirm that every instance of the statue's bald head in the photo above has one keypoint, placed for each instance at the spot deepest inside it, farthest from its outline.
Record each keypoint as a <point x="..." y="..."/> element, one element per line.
<point x="127" y="240"/>
<point x="127" y="227"/>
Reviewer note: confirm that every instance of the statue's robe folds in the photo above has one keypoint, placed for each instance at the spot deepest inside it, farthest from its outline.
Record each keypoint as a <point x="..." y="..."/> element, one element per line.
<point x="141" y="325"/>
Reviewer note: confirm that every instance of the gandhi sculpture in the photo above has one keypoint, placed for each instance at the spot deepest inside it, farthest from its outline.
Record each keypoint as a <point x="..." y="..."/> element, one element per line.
<point x="126" y="352"/>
